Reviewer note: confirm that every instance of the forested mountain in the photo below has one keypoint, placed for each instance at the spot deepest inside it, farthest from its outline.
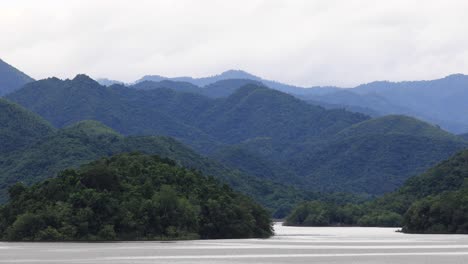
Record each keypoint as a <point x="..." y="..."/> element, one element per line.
<point x="11" y="78"/>
<point x="373" y="156"/>
<point x="52" y="151"/>
<point x="130" y="197"/>
<point x="265" y="133"/>
<point x="19" y="127"/>
<point x="436" y="101"/>
<point x="200" y="121"/>
<point x="432" y="202"/>
<point x="127" y="110"/>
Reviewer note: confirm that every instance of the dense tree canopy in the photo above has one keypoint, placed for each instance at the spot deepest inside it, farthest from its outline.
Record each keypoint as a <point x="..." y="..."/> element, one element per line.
<point x="433" y="202"/>
<point x="130" y="197"/>
<point x="19" y="127"/>
<point x="443" y="213"/>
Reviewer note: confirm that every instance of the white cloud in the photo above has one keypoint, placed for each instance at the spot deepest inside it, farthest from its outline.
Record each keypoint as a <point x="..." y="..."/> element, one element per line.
<point x="300" y="42"/>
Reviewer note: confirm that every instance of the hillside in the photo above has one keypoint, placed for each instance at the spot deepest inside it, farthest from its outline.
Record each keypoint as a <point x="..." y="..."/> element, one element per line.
<point x="130" y="197"/>
<point x="20" y="128"/>
<point x="194" y="119"/>
<point x="11" y="78"/>
<point x="255" y="111"/>
<point x="85" y="141"/>
<point x="432" y="202"/>
<point x="126" y="110"/>
<point x="435" y="201"/>
<point x="374" y="156"/>
<point x="397" y="125"/>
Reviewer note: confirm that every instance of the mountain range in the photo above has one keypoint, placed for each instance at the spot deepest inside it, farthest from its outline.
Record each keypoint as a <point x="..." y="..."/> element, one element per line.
<point x="263" y="132"/>
<point x="440" y="102"/>
<point x="277" y="143"/>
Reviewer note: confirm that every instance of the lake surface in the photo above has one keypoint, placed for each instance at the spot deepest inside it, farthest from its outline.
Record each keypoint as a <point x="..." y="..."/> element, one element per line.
<point x="289" y="245"/>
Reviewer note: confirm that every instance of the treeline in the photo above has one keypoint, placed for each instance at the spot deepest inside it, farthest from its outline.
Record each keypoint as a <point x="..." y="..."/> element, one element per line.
<point x="433" y="202"/>
<point x="445" y="213"/>
<point x="130" y="197"/>
<point x="319" y="213"/>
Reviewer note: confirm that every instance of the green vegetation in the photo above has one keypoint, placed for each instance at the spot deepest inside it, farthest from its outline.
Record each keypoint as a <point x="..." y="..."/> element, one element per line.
<point x="318" y="213"/>
<point x="36" y="151"/>
<point x="376" y="156"/>
<point x="363" y="158"/>
<point x="130" y="197"/>
<point x="433" y="202"/>
<point x="19" y="127"/>
<point x="444" y="213"/>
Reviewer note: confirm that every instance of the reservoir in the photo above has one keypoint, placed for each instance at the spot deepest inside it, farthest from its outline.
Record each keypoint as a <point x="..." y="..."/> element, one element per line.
<point x="289" y="245"/>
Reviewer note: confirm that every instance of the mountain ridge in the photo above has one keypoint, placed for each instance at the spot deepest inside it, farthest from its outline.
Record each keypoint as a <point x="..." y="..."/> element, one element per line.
<point x="11" y="78"/>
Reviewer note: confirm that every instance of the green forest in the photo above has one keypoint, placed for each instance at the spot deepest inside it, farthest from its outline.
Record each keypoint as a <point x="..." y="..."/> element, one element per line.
<point x="130" y="197"/>
<point x="433" y="202"/>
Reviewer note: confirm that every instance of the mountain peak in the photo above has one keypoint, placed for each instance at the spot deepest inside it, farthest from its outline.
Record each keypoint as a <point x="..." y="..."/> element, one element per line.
<point x="455" y="76"/>
<point x="238" y="74"/>
<point x="83" y="78"/>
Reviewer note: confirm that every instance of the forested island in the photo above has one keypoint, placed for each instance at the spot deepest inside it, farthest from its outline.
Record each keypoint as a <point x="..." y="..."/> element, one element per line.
<point x="130" y="197"/>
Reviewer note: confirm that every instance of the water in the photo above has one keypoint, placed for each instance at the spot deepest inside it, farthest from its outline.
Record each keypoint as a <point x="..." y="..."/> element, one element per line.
<point x="290" y="245"/>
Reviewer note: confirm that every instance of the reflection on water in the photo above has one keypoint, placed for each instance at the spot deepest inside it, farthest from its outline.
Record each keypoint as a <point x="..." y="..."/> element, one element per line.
<point x="289" y="245"/>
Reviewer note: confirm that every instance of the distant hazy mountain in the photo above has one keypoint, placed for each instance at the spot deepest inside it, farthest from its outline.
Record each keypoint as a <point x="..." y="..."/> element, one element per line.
<point x="231" y="74"/>
<point x="441" y="102"/>
<point x="240" y="75"/>
<point x="218" y="89"/>
<point x="261" y="131"/>
<point x="11" y="78"/>
<point x="108" y="82"/>
<point x="174" y="85"/>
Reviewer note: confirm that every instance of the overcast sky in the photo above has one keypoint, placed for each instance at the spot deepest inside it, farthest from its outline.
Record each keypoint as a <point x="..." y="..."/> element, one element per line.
<point x="298" y="42"/>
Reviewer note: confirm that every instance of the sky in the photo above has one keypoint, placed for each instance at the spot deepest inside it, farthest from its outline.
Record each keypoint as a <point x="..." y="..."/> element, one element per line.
<point x="305" y="43"/>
